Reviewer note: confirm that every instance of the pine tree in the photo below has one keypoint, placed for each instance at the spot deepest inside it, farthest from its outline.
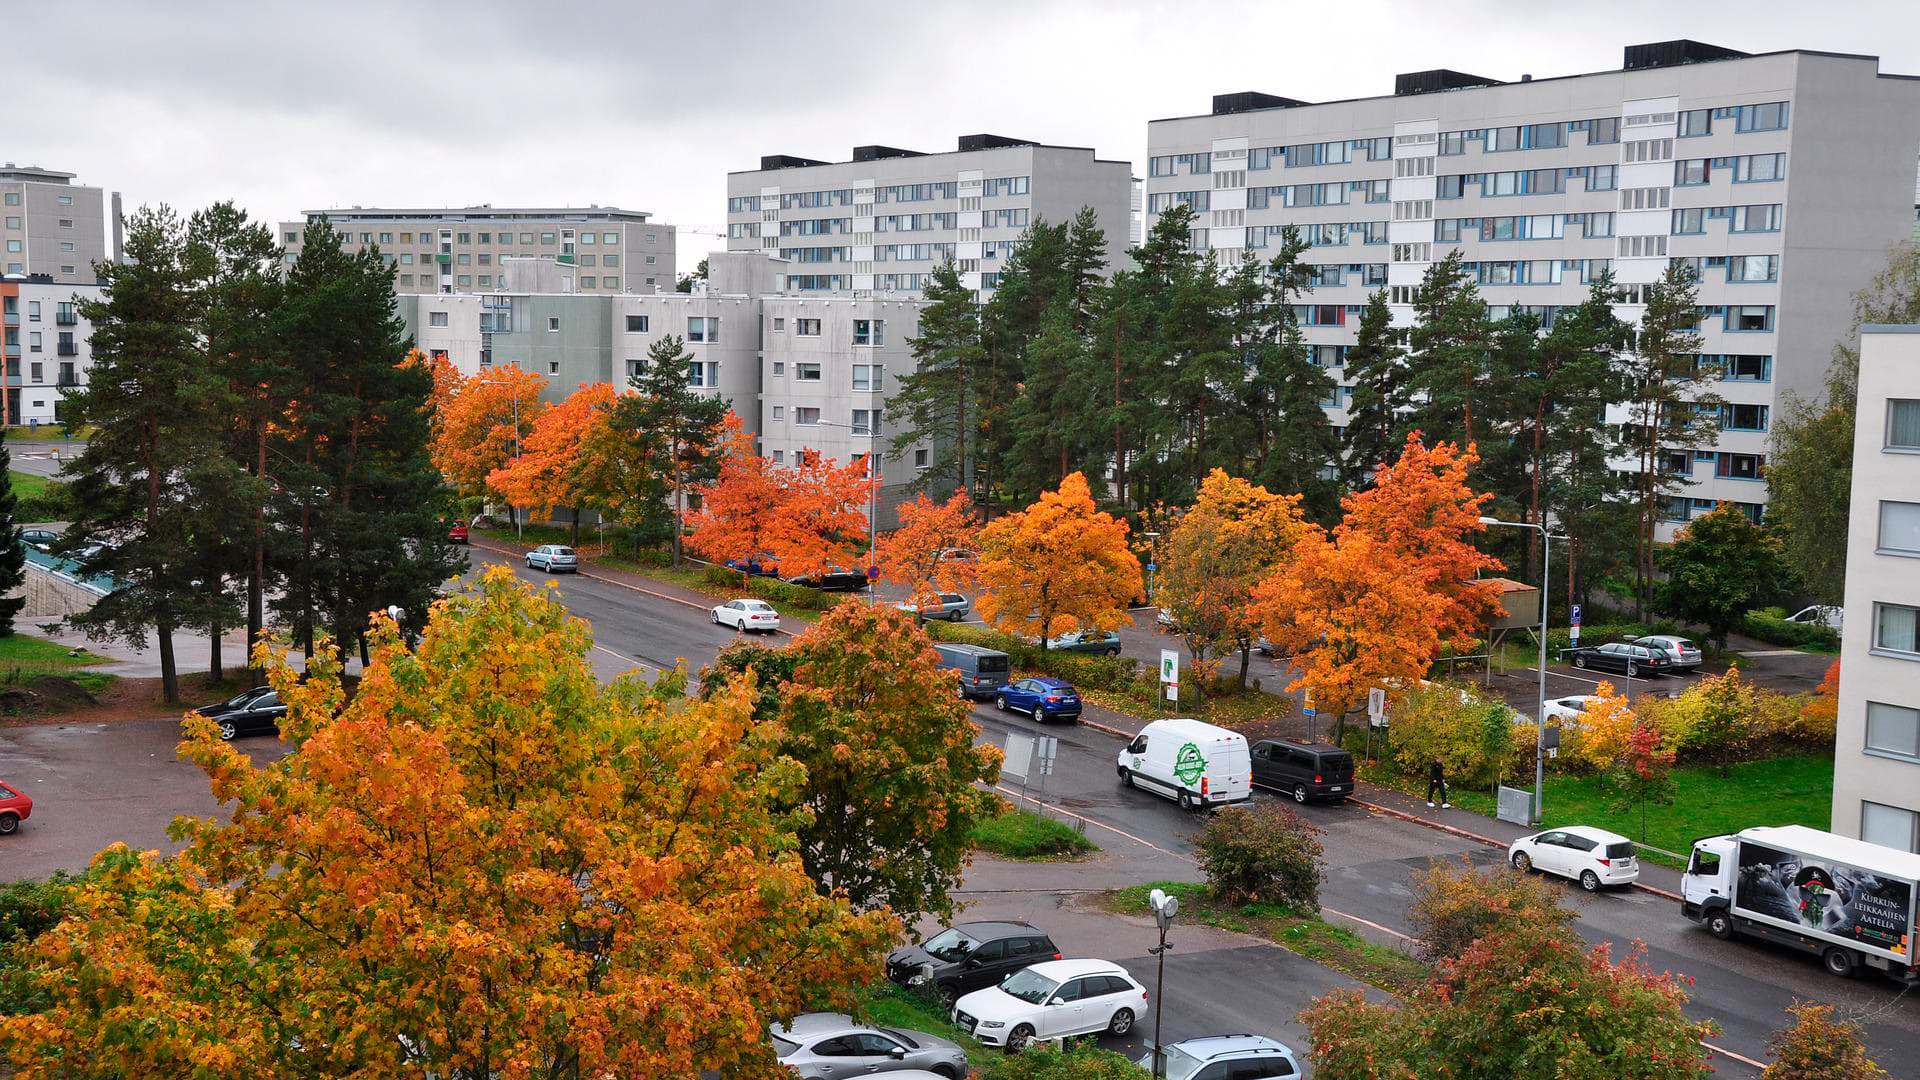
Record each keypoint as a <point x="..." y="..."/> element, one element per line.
<point x="1377" y="364"/>
<point x="1297" y="444"/>
<point x="941" y="401"/>
<point x="1448" y="352"/>
<point x="13" y="551"/>
<point x="1044" y="450"/>
<point x="679" y="427"/>
<point x="1669" y="409"/>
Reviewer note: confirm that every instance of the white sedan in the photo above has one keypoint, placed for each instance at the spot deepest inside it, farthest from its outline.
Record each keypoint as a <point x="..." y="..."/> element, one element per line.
<point x="1569" y="711"/>
<point x="1053" y="1000"/>
<point x="1593" y="857"/>
<point x="747" y="615"/>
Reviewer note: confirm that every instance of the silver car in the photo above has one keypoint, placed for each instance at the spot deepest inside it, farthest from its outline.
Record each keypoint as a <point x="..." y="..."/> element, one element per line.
<point x="1682" y="653"/>
<point x="1227" y="1057"/>
<point x="829" y="1046"/>
<point x="952" y="607"/>
<point x="554" y="559"/>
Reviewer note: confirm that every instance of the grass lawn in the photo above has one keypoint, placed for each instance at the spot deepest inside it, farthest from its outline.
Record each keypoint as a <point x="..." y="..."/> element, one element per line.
<point x="27" y="485"/>
<point x="1148" y="701"/>
<point x="23" y="656"/>
<point x="1023" y="834"/>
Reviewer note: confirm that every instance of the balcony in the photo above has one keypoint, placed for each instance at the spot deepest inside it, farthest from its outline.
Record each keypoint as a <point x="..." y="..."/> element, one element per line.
<point x="444" y="260"/>
<point x="66" y="318"/>
<point x="66" y="348"/>
<point x="66" y="380"/>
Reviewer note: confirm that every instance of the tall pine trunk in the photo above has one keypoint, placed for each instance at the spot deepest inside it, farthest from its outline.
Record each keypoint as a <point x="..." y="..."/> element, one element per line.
<point x="163" y="618"/>
<point x="257" y="565"/>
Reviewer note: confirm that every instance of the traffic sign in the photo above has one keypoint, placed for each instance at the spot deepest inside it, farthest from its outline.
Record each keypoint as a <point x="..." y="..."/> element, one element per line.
<point x="1169" y="666"/>
<point x="873" y="573"/>
<point x="1573" y="631"/>
<point x="1151" y="568"/>
<point x="1377" y="707"/>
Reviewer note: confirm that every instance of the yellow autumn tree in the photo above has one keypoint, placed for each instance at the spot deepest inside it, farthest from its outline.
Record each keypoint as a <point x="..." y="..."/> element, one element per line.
<point x="1601" y="734"/>
<point x="1059" y="565"/>
<point x="486" y="864"/>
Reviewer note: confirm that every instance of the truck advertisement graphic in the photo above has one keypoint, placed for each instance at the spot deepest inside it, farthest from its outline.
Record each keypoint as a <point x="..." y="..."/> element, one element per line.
<point x="1824" y="896"/>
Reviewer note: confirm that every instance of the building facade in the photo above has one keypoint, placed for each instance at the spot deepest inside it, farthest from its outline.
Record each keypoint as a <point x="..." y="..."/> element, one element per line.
<point x="880" y="224"/>
<point x="54" y="228"/>
<point x="1876" y="760"/>
<point x="1781" y="178"/>
<point x="464" y="250"/>
<point x="46" y="345"/>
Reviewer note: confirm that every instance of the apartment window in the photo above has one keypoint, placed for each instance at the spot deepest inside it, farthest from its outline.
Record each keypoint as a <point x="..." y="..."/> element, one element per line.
<point x="546" y="239"/>
<point x="588" y="238"/>
<point x="405" y="237"/>
<point x="703" y="329"/>
<point x="589" y="282"/>
<point x="609" y="260"/>
<point x="636" y="324"/>
<point x="1749" y="317"/>
<point x="866" y="422"/>
<point x="920" y="459"/>
<point x="13" y="222"/>
<point x="33" y="341"/>
<point x="1645" y="198"/>
<point x="614" y="237"/>
<point x="869" y="332"/>
<point x="525" y="237"/>
<point x="37" y="371"/>
<point x="436" y="318"/>
<point x="1893" y="730"/>
<point x="806" y="372"/>
<point x="1649" y="150"/>
<point x="291" y="236"/>
<point x="1896" y="628"/>
<point x="1903" y="424"/>
<point x="610" y="283"/>
<point x="779" y="368"/>
<point x="1899" y="528"/>
<point x="1695" y="122"/>
<point x="1603" y="178"/>
<point x="806" y="416"/>
<point x="1889" y="826"/>
<point x="486" y="281"/>
<point x="779" y="412"/>
<point x="779" y="324"/>
<point x="703" y="373"/>
<point x="1751" y="219"/>
<point x="1743" y="417"/>
<point x="867" y="376"/>
<point x="1759" y="168"/>
<point x="13" y="246"/>
<point x="553" y="367"/>
<point x="67" y="200"/>
<point x="1769" y="117"/>
<point x="1740" y="466"/>
<point x="589" y="260"/>
<point x="485" y="238"/>
<point x="553" y="324"/>
<point x="1640" y="247"/>
<point x="1690" y="222"/>
<point x="1692" y="172"/>
<point x="806" y="327"/>
<point x="1749" y="268"/>
<point x="406" y="279"/>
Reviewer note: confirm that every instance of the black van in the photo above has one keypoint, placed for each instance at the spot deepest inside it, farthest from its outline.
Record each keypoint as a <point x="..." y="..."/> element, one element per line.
<point x="982" y="671"/>
<point x="1303" y="770"/>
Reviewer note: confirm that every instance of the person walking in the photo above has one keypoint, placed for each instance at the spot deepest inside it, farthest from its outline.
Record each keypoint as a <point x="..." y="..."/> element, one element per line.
<point x="1437" y="780"/>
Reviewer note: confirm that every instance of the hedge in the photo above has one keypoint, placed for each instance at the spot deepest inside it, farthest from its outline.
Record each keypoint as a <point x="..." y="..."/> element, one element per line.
<point x="1080" y="669"/>
<point x="1771" y="626"/>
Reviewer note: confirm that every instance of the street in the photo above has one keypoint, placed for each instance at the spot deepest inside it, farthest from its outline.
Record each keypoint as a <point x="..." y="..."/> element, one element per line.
<point x="93" y="784"/>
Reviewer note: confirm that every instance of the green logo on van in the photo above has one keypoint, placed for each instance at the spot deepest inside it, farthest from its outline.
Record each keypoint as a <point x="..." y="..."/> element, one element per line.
<point x="1188" y="765"/>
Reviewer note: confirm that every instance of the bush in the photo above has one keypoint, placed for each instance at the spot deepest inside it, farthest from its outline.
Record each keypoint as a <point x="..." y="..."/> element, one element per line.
<point x="1771" y="626"/>
<point x="1471" y="737"/>
<point x="1022" y="834"/>
<point x="1084" y="1062"/>
<point x="1715" y="722"/>
<point x="723" y="576"/>
<point x="1262" y="855"/>
<point x="54" y="502"/>
<point x="1080" y="669"/>
<point x="1456" y="904"/>
<point x="782" y="592"/>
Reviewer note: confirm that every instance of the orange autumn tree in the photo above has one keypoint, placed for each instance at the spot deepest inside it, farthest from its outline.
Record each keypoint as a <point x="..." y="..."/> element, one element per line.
<point x="914" y="555"/>
<point x="1421" y="511"/>
<point x="1604" y="727"/>
<point x="820" y="524"/>
<point x="804" y="519"/>
<point x="739" y="511"/>
<point x="1059" y="565"/>
<point x="486" y="864"/>
<point x="483" y="422"/>
<point x="571" y="458"/>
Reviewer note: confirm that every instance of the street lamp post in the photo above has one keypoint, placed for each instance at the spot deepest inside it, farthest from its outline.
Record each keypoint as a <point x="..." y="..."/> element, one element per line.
<point x="1153" y="556"/>
<point x="1540" y="702"/>
<point x="1164" y="909"/>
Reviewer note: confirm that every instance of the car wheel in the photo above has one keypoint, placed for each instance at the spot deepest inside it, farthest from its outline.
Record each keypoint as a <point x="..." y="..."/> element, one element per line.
<point x="1126" y="778"/>
<point x="1018" y="1040"/>
<point x="948" y="994"/>
<point x="1113" y="652"/>
<point x="1838" y="962"/>
<point x="1589" y="881"/>
<point x="1186" y="801"/>
<point x="1121" y="1023"/>
<point x="960" y="692"/>
<point x="227" y="730"/>
<point x="1579" y="661"/>
<point x="529" y="562"/>
<point x="954" y="616"/>
<point x="1632" y="669"/>
<point x="8" y="823"/>
<point x="1720" y="925"/>
<point x="715" y="616"/>
<point x="1000" y="702"/>
<point x="1300" y="793"/>
<point x="947" y="1071"/>
<point x="1522" y="861"/>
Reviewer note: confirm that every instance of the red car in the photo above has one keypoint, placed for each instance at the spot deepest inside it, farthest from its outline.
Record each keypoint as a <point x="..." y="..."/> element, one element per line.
<point x="457" y="534"/>
<point x="15" y="808"/>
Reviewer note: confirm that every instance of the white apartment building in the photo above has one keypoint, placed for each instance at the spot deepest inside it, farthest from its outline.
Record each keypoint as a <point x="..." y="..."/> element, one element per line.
<point x="1876" y="760"/>
<point x="1782" y="178"/>
<point x="464" y="249"/>
<point x="54" y="228"/>
<point x="880" y="224"/>
<point x="46" y="345"/>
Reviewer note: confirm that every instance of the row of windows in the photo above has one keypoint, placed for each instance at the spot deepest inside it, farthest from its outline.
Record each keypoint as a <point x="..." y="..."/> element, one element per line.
<point x="817" y="282"/>
<point x="816" y="226"/>
<point x="1762" y="218"/>
<point x="546" y="239"/>
<point x="913" y="252"/>
<point x="1746" y="169"/>
<point x="920" y="222"/>
<point x="465" y="281"/>
<point x="1678" y="508"/>
<point x="1321" y="234"/>
<point x="13" y="199"/>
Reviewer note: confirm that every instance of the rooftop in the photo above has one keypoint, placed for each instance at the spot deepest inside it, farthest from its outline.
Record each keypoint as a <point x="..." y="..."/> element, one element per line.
<point x="965" y="144"/>
<point x="34" y="173"/>
<point x="479" y="213"/>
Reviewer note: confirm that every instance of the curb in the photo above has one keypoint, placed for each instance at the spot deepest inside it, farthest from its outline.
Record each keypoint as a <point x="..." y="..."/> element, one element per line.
<point x="1489" y="841"/>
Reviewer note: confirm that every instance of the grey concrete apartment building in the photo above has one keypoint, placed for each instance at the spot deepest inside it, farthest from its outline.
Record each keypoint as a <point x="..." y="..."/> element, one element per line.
<point x="462" y="249"/>
<point x="1782" y="178"/>
<point x="1876" y="759"/>
<point x="53" y="227"/>
<point x="879" y="224"/>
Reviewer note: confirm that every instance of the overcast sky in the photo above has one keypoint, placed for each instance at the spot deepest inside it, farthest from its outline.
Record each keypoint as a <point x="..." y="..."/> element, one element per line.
<point x="647" y="106"/>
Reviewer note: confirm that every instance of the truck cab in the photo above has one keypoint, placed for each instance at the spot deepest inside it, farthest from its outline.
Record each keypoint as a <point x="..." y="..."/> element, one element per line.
<point x="1706" y="892"/>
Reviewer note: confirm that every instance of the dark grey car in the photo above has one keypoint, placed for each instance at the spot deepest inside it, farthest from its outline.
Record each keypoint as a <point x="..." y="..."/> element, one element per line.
<point x="830" y="1046"/>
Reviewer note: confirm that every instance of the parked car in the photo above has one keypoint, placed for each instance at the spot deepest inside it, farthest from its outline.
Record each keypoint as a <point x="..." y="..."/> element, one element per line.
<point x="1825" y="615"/>
<point x="969" y="956"/>
<point x="1621" y="656"/>
<point x="836" y="579"/>
<point x="457" y="534"/>
<point x="15" y="808"/>
<point x="959" y="555"/>
<point x="1570" y="711"/>
<point x="761" y="565"/>
<point x="1225" y="1057"/>
<point x="249" y="712"/>
<point x="1593" y="857"/>
<point x="554" y="559"/>
<point x="1098" y="642"/>
<point x="747" y="616"/>
<point x="1042" y="698"/>
<point x="1303" y="770"/>
<point x="40" y="540"/>
<point x="829" y="1046"/>
<point x="1193" y="763"/>
<point x="1265" y="648"/>
<point x="1681" y="654"/>
<point x="952" y="607"/>
<point x="1053" y="1000"/>
<point x="1164" y="619"/>
<point x="981" y="671"/>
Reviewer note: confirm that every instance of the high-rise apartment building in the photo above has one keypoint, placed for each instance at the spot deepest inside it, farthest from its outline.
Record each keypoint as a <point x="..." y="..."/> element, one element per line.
<point x="461" y="250"/>
<point x="46" y="345"/>
<point x="53" y="227"/>
<point x="1782" y="178"/>
<point x="880" y="224"/>
<point x="1876" y="759"/>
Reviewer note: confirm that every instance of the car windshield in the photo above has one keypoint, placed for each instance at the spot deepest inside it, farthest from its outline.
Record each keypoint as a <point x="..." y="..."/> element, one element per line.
<point x="242" y="697"/>
<point x="1029" y="987"/>
<point x="755" y="605"/>
<point x="950" y="945"/>
<point x="901" y="1037"/>
<point x="1180" y="1064"/>
<point x="783" y="1047"/>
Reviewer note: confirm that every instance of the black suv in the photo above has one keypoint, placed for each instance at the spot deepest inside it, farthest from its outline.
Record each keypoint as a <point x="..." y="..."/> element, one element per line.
<point x="969" y="957"/>
<point x="1303" y="770"/>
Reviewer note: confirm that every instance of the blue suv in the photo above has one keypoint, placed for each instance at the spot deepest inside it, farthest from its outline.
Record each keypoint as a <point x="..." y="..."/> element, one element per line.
<point x="1042" y="698"/>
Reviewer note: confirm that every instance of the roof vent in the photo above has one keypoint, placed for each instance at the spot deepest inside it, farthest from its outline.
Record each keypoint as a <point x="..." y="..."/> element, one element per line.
<point x="1428" y="82"/>
<point x="875" y="153"/>
<point x="990" y="142"/>
<point x="1672" y="53"/>
<point x="1249" y="100"/>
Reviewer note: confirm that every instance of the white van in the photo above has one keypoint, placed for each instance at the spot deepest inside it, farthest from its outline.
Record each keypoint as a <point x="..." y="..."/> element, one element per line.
<point x="1192" y="763"/>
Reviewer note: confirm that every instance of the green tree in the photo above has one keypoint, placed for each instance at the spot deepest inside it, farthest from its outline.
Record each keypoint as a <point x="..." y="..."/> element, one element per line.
<point x="894" y="782"/>
<point x="679" y="428"/>
<point x="1642" y="774"/>
<point x="1294" y="441"/>
<point x="13" y="551"/>
<point x="1819" y="1046"/>
<point x="1448" y="352"/>
<point x="1044" y="449"/>
<point x="154" y="404"/>
<point x="1377" y="363"/>
<point x="1720" y="565"/>
<point x="1669" y="407"/>
<point x="941" y="401"/>
<point x="686" y="282"/>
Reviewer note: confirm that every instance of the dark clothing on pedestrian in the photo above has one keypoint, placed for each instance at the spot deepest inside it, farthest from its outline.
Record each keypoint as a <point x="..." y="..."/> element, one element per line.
<point x="1437" y="781"/>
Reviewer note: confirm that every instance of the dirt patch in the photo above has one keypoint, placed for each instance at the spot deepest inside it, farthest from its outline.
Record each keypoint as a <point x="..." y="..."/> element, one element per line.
<point x="124" y="699"/>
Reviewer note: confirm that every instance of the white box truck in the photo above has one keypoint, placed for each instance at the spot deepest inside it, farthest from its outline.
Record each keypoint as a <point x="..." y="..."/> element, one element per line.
<point x="1847" y="901"/>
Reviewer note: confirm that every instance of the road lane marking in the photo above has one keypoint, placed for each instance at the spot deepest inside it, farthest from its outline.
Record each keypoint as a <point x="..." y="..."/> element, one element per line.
<point x="1724" y="1052"/>
<point x="627" y="659"/>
